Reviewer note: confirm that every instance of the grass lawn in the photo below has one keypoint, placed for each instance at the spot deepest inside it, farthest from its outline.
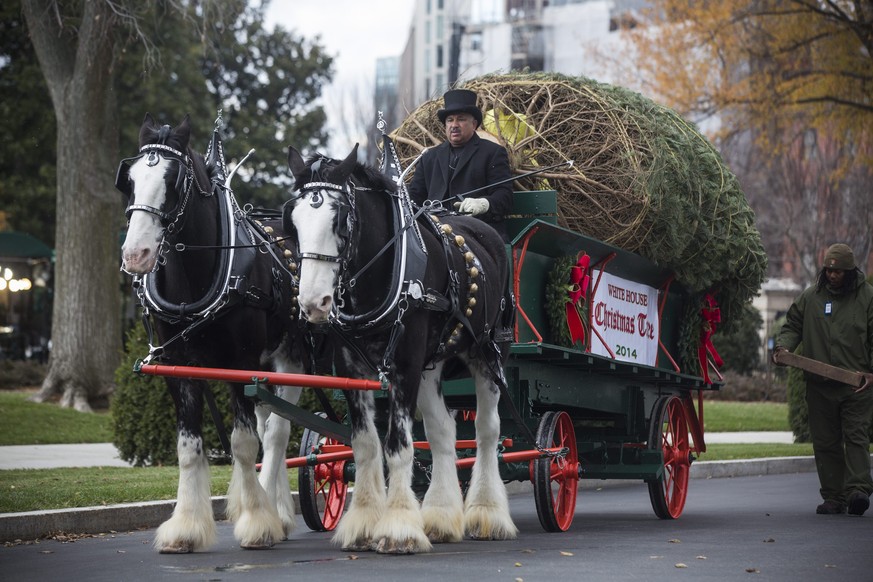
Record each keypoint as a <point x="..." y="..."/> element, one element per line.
<point x="35" y="489"/>
<point x="726" y="416"/>
<point x="32" y="423"/>
<point x="28" y="423"/>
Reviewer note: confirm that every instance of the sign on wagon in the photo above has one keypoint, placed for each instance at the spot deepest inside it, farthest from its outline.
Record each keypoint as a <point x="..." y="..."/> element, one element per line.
<point x="625" y="314"/>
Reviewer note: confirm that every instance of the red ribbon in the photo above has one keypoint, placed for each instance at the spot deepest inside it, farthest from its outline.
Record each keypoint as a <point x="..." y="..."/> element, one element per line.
<point x="711" y="315"/>
<point x="576" y="291"/>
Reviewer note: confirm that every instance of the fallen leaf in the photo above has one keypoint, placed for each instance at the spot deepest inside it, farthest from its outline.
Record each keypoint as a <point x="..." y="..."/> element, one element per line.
<point x="681" y="565"/>
<point x="675" y="541"/>
<point x="566" y="553"/>
<point x="528" y="551"/>
<point x="769" y="541"/>
<point x="656" y="557"/>
<point x="352" y="557"/>
<point x="701" y="557"/>
<point x="830" y="565"/>
<point x="122" y="551"/>
<point x="46" y="552"/>
<point x="518" y="564"/>
<point x="753" y="571"/>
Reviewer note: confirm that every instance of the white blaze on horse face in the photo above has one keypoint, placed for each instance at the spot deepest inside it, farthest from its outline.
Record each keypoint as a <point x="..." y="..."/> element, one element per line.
<point x="139" y="252"/>
<point x="315" y="234"/>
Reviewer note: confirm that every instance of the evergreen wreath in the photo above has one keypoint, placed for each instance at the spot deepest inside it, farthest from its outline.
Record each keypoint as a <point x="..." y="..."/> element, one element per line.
<point x="556" y="297"/>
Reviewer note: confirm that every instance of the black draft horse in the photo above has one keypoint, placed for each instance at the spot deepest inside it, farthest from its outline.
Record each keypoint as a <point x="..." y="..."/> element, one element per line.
<point x="216" y="300"/>
<point x="343" y="216"/>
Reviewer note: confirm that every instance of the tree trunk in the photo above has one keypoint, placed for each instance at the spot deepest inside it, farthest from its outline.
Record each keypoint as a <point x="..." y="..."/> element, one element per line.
<point x="86" y="326"/>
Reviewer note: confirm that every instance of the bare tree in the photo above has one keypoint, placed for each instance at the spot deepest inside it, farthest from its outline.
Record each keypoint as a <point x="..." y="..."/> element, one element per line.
<point x="806" y="197"/>
<point x="353" y="119"/>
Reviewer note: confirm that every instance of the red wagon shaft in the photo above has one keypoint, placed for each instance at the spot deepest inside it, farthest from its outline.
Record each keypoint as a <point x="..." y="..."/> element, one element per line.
<point x="287" y="379"/>
<point x="345" y="453"/>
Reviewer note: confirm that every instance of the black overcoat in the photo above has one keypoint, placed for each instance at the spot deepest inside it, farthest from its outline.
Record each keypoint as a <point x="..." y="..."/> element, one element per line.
<point x="482" y="162"/>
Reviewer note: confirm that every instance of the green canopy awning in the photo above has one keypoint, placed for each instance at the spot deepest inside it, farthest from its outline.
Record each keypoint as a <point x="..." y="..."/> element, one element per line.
<point x="22" y="245"/>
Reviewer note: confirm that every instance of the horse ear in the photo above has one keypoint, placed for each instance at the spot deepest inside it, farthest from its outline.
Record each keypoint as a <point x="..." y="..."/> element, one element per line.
<point x="295" y="163"/>
<point x="183" y="132"/>
<point x="147" y="130"/>
<point x="348" y="164"/>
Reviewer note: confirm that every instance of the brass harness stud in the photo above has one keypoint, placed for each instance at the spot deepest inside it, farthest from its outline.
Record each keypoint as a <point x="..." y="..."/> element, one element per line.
<point x="473" y="268"/>
<point x="292" y="266"/>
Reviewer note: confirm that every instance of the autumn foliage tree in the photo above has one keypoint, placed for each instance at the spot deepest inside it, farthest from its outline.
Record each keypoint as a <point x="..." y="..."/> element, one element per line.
<point x="785" y="86"/>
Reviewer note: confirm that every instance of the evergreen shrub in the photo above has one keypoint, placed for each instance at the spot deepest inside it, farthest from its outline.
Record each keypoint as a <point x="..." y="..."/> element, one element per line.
<point x="144" y="417"/>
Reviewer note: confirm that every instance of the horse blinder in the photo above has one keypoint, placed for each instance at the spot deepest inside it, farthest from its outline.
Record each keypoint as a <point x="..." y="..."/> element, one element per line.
<point x="122" y="177"/>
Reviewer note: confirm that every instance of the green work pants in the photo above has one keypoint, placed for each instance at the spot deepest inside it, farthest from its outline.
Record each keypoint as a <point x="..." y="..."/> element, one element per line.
<point x="839" y="423"/>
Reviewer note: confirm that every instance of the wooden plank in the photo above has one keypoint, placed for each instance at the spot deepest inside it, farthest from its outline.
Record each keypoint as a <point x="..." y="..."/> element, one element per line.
<point x="826" y="370"/>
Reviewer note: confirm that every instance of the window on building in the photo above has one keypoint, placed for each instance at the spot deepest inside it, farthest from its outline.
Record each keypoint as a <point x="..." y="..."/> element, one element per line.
<point x="439" y="56"/>
<point x="476" y="41"/>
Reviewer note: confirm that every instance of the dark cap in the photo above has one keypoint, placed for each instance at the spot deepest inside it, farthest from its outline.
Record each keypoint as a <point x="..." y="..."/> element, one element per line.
<point x="460" y="101"/>
<point x="839" y="256"/>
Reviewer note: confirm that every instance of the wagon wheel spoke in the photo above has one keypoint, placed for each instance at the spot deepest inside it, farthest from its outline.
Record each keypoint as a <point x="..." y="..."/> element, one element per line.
<point x="556" y="479"/>
<point x="669" y="431"/>
<point x="322" y="487"/>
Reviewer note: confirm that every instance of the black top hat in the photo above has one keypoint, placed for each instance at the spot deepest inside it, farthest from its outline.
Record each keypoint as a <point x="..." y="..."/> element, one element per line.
<point x="460" y="101"/>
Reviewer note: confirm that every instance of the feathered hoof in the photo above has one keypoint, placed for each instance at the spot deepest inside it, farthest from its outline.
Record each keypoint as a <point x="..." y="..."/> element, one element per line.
<point x="405" y="546"/>
<point x="443" y="537"/>
<point x="176" y="548"/>
<point x="259" y="534"/>
<point x="183" y="535"/>
<point x="364" y="545"/>
<point x="444" y="531"/>
<point x="257" y="545"/>
<point x="485" y="523"/>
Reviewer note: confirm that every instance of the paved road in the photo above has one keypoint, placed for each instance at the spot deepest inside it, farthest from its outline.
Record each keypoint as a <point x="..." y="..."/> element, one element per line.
<point x="744" y="528"/>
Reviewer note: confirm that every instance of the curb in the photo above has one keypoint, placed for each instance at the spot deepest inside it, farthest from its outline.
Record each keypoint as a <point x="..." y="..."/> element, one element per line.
<point x="33" y="525"/>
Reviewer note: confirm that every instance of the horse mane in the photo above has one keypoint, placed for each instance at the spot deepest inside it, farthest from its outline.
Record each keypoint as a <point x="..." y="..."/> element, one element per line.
<point x="363" y="173"/>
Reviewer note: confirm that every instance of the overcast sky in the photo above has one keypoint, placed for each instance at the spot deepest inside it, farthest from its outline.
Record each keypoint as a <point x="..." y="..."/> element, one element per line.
<point x="355" y="33"/>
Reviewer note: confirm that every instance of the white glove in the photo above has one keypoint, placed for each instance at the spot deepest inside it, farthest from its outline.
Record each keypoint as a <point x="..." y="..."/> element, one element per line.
<point x="474" y="206"/>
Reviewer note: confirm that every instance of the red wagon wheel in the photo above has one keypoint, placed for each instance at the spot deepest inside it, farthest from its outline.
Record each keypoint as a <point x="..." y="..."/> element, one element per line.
<point x="669" y="431"/>
<point x="322" y="487"/>
<point x="556" y="479"/>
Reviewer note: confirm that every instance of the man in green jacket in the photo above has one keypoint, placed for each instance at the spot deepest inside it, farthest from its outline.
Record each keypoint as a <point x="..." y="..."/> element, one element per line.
<point x="834" y="321"/>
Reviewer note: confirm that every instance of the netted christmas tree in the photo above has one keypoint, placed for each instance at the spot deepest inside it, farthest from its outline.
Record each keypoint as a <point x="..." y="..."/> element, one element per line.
<point x="644" y="179"/>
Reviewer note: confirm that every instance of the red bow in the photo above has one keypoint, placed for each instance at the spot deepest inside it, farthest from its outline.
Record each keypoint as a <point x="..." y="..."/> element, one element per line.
<point x="711" y="315"/>
<point x="576" y="290"/>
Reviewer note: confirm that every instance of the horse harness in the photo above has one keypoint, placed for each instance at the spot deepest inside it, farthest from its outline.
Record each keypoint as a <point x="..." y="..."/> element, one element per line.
<point x="230" y="285"/>
<point x="406" y="290"/>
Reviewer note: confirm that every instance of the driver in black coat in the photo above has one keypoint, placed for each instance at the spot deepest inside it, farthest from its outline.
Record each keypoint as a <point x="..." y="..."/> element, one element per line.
<point x="463" y="163"/>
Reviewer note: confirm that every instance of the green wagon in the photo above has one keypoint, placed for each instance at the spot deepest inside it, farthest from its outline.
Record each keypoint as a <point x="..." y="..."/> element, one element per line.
<point x="591" y="407"/>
